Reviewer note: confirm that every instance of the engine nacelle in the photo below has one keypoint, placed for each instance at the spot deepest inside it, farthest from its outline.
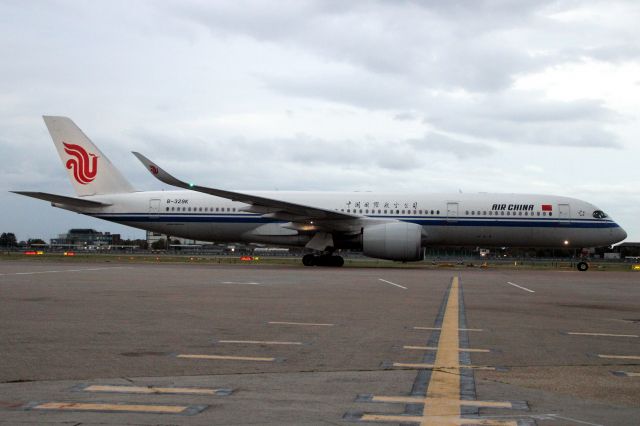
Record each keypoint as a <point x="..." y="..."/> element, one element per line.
<point x="393" y="241"/>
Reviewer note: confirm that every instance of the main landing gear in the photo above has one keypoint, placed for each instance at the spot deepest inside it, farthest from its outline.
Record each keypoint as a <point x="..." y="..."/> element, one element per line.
<point x="322" y="260"/>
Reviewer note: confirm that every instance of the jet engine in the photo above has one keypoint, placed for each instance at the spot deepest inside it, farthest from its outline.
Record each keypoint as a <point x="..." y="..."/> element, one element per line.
<point x="393" y="241"/>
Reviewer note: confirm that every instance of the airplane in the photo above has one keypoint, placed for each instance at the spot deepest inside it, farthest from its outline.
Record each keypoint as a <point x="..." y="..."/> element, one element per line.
<point x="391" y="226"/>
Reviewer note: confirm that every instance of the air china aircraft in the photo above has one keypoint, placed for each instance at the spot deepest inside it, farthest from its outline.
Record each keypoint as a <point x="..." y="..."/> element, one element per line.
<point x="390" y="226"/>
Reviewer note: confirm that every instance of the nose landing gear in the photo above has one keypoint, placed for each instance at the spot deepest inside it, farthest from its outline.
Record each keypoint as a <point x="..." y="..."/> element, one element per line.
<point x="583" y="266"/>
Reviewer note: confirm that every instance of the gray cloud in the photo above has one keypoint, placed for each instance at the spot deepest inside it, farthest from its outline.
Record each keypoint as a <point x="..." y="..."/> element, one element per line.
<point x="371" y="91"/>
<point x="418" y="42"/>
<point x="476" y="46"/>
<point x="434" y="141"/>
<point x="509" y="117"/>
<point x="528" y="120"/>
<point x="231" y="156"/>
<point x="405" y="116"/>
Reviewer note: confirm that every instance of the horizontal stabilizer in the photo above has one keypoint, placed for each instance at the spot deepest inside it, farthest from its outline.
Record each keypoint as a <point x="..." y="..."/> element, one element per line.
<point x="61" y="199"/>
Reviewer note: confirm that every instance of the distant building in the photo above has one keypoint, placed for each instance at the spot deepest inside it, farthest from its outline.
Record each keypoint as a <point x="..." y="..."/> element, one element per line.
<point x="153" y="237"/>
<point x="87" y="239"/>
<point x="628" y="249"/>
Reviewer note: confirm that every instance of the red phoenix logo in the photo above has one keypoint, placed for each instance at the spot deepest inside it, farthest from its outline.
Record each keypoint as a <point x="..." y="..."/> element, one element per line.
<point x="153" y="169"/>
<point x="83" y="164"/>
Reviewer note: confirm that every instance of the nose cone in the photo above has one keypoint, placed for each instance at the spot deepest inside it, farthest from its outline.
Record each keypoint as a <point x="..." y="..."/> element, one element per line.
<point x="619" y="234"/>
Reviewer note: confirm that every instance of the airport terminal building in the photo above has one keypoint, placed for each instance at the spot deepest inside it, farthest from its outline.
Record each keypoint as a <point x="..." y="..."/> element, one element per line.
<point x="85" y="239"/>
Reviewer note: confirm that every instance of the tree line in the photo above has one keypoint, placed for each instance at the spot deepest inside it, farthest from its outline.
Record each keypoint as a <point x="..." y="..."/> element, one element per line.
<point x="8" y="239"/>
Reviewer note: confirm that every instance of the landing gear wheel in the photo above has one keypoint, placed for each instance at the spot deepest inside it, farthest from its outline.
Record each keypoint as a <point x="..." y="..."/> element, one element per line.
<point x="337" y="261"/>
<point x="308" y="260"/>
<point x="332" y="261"/>
<point x="324" y="260"/>
<point x="583" y="266"/>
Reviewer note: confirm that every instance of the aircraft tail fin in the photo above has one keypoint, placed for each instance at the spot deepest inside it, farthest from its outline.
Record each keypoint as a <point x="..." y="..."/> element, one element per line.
<point x="90" y="171"/>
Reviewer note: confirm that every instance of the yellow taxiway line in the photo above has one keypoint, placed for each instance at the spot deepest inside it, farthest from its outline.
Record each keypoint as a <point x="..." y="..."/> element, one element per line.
<point x="440" y="328"/>
<point x="449" y="368"/>
<point x="443" y="393"/>
<point x="429" y="348"/>
<point x="442" y="404"/>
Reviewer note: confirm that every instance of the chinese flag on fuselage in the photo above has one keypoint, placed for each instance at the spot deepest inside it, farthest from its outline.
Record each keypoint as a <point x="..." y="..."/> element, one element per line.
<point x="547" y="208"/>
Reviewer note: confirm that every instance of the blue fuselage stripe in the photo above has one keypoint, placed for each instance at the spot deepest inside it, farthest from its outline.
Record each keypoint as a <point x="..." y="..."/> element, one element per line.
<point x="420" y="220"/>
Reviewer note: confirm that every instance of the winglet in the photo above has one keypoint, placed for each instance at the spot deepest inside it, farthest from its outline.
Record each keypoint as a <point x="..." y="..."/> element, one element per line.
<point x="160" y="174"/>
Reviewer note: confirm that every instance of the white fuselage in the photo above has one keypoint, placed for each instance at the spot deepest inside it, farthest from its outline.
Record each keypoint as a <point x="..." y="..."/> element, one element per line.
<point x="447" y="219"/>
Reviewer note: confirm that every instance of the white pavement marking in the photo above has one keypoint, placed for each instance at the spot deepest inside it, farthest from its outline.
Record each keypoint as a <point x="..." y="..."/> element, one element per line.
<point x="420" y="400"/>
<point x="226" y="357"/>
<point x="626" y="373"/>
<point x="65" y="270"/>
<point x="633" y="357"/>
<point x="234" y="282"/>
<point x="299" y="323"/>
<point x="542" y="417"/>
<point x="259" y="342"/>
<point x="389" y="282"/>
<point x="137" y="408"/>
<point x="520" y="287"/>
<point x="149" y="390"/>
<point x="575" y="333"/>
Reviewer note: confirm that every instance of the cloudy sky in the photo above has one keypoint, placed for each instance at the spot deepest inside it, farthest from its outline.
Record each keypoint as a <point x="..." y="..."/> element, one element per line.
<point x="499" y="96"/>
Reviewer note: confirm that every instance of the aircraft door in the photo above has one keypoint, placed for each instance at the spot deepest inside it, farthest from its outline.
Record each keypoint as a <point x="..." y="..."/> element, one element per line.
<point x="564" y="213"/>
<point x="452" y="212"/>
<point x="154" y="207"/>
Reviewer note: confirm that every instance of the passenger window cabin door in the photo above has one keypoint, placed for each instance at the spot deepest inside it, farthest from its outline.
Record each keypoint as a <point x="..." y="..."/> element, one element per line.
<point x="154" y="207"/>
<point x="564" y="214"/>
<point x="452" y="212"/>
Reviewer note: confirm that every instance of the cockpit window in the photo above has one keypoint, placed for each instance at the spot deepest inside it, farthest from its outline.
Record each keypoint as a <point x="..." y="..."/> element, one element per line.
<point x="599" y="214"/>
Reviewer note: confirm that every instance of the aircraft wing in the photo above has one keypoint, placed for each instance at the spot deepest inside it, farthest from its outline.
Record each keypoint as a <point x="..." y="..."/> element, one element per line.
<point x="262" y="204"/>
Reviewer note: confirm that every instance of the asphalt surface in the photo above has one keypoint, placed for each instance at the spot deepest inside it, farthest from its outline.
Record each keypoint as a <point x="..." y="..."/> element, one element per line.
<point x="248" y="344"/>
